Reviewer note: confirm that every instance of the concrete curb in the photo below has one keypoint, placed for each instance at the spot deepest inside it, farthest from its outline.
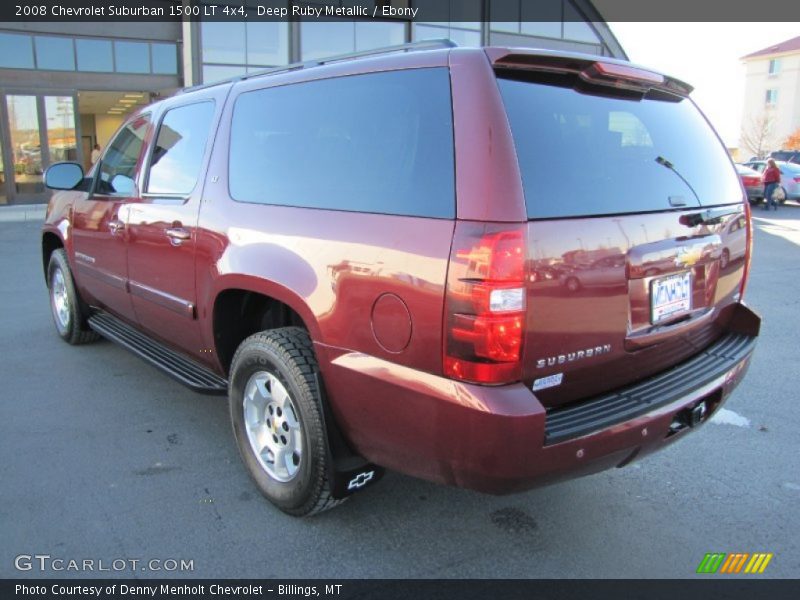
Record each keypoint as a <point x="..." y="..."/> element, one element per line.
<point x="22" y="213"/>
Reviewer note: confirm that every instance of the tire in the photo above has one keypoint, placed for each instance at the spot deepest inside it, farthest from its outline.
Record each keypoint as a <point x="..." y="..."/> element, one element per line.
<point x="572" y="284"/>
<point x="66" y="306"/>
<point x="276" y="412"/>
<point x="785" y="196"/>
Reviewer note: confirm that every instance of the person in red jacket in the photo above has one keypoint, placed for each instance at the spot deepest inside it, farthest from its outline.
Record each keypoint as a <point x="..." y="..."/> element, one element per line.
<point x="772" y="179"/>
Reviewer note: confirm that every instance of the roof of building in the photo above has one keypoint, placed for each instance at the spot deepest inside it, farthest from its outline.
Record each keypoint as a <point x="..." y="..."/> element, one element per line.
<point x="792" y="45"/>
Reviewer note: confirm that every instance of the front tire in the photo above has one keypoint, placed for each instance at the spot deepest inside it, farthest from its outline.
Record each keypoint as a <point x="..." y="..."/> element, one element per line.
<point x="66" y="305"/>
<point x="573" y="285"/>
<point x="276" y="413"/>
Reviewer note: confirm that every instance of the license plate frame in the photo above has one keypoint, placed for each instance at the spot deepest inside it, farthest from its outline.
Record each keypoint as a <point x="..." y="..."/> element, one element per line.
<point x="670" y="296"/>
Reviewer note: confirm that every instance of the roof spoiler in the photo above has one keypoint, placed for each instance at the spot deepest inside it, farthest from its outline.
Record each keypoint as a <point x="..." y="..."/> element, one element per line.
<point x="599" y="70"/>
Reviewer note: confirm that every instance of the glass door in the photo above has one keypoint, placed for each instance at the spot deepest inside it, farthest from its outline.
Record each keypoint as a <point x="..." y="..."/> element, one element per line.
<point x="62" y="141"/>
<point x="26" y="146"/>
<point x="3" y="178"/>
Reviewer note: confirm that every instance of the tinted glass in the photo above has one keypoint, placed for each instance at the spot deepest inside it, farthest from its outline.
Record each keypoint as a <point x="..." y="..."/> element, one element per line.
<point x="94" y="56"/>
<point x="16" y="51"/>
<point x="178" y="154"/>
<point x="379" y="143"/>
<point x="132" y="57"/>
<point x="585" y="154"/>
<point x="118" y="164"/>
<point x="54" y="53"/>
<point x="165" y="59"/>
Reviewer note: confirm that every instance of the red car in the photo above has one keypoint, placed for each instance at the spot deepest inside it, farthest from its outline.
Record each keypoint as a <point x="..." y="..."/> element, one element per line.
<point x="753" y="183"/>
<point x="349" y="250"/>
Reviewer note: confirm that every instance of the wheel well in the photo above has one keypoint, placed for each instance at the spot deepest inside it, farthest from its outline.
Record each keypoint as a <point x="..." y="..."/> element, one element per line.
<point x="50" y="243"/>
<point x="241" y="313"/>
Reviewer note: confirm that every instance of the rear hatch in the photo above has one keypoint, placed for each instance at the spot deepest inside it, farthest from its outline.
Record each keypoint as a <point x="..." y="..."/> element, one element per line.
<point x="637" y="231"/>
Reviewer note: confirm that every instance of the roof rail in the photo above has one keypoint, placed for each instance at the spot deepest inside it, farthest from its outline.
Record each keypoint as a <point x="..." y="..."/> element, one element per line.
<point x="407" y="47"/>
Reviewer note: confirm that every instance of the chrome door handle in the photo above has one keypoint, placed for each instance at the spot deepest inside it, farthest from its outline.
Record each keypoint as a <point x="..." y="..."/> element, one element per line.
<point x="177" y="235"/>
<point x="115" y="226"/>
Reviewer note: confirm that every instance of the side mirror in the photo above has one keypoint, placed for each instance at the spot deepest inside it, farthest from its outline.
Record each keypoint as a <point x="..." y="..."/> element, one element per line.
<point x="122" y="184"/>
<point x="63" y="176"/>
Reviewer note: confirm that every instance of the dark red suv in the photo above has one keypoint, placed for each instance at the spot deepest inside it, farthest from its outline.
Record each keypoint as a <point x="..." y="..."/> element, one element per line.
<point x="489" y="268"/>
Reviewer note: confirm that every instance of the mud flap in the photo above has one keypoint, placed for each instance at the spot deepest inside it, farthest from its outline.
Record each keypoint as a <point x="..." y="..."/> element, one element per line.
<point x="347" y="471"/>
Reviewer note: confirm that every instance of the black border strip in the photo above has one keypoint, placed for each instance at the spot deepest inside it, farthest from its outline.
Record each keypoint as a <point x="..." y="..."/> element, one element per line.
<point x="710" y="11"/>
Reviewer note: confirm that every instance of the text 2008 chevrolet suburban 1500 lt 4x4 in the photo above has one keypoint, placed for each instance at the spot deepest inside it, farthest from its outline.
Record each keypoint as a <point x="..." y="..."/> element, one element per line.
<point x="488" y="268"/>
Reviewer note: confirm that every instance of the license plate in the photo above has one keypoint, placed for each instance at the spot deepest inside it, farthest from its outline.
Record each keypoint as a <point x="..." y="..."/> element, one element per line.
<point x="670" y="296"/>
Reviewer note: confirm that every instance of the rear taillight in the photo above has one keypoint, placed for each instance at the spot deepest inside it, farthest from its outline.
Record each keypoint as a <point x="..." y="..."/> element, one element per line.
<point x="748" y="252"/>
<point x="485" y="303"/>
<point x="797" y="179"/>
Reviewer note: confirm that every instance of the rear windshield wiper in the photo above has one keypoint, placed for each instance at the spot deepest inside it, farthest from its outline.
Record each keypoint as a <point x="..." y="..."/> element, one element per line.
<point x="665" y="163"/>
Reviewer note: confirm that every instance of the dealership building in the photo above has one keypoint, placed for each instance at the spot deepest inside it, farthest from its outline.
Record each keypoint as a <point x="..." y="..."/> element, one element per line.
<point x="66" y="86"/>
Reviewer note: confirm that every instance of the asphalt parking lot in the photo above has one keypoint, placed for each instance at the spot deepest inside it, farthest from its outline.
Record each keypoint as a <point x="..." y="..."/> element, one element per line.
<point x="105" y="458"/>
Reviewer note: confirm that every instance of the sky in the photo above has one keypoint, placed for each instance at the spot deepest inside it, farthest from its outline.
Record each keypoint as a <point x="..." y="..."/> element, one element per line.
<point x="705" y="55"/>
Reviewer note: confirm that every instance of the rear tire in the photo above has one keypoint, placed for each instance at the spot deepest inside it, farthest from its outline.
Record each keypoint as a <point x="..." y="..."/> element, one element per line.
<point x="66" y="306"/>
<point x="276" y="413"/>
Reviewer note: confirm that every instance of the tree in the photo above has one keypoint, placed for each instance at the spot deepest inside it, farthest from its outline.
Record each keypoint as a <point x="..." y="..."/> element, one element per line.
<point x="793" y="141"/>
<point x="757" y="135"/>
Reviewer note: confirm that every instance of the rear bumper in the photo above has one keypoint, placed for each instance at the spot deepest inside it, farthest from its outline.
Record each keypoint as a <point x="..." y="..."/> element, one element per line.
<point x="755" y="192"/>
<point x="501" y="439"/>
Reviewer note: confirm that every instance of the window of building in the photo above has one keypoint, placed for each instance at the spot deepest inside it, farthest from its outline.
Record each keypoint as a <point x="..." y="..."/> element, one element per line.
<point x="16" y="51"/>
<point x="178" y="153"/>
<point x="771" y="97"/>
<point x="60" y="119"/>
<point x="319" y="39"/>
<point x="212" y="73"/>
<point x="381" y="143"/>
<point x="323" y="39"/>
<point x="459" y="35"/>
<point x="774" y="66"/>
<point x="223" y="42"/>
<point x="94" y="56"/>
<point x="233" y="49"/>
<point x="26" y="145"/>
<point x="377" y="34"/>
<point x="118" y="164"/>
<point x="165" y="59"/>
<point x="552" y="19"/>
<point x="54" y="53"/>
<point x="3" y="177"/>
<point x="267" y="43"/>
<point x="132" y="57"/>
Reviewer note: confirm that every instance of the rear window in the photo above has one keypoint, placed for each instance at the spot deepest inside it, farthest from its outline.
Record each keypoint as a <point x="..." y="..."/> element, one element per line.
<point x="583" y="154"/>
<point x="379" y="143"/>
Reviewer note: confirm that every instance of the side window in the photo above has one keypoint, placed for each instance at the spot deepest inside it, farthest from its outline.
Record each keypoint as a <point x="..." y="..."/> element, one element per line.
<point x="118" y="164"/>
<point x="180" y="145"/>
<point x="378" y="143"/>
